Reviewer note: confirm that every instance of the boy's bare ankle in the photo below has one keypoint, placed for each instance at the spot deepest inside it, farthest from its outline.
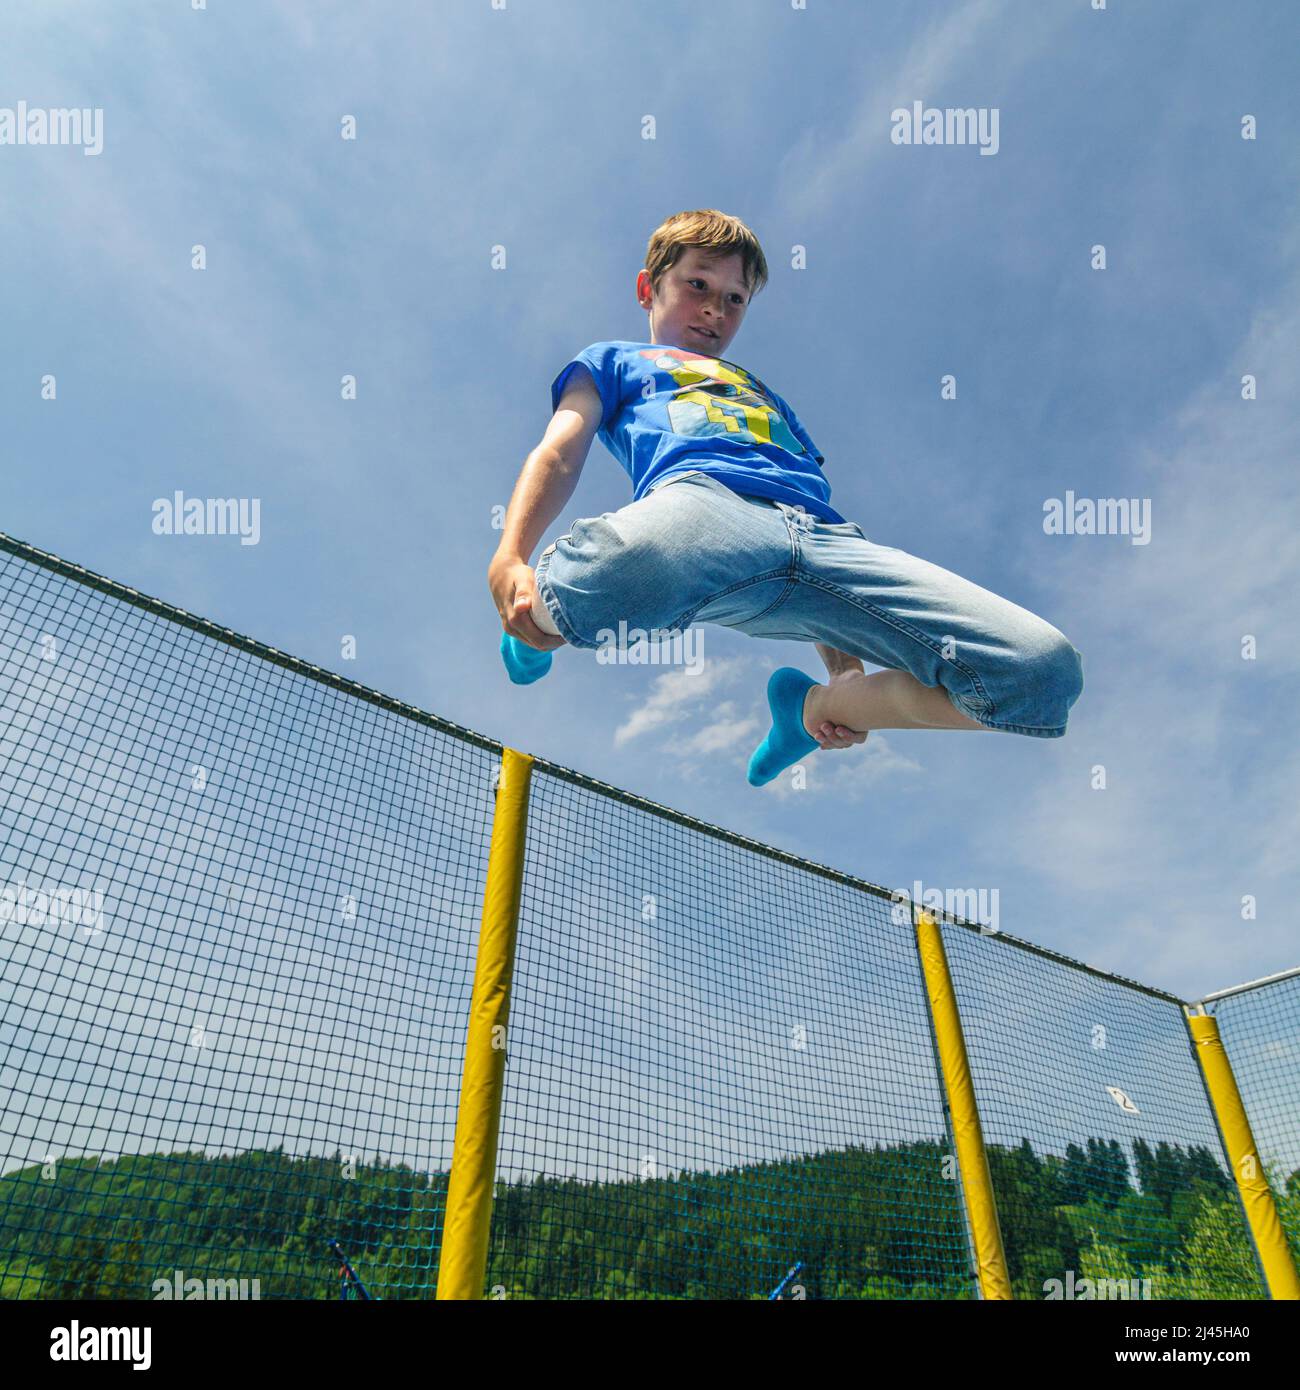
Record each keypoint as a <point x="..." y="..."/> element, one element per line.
<point x="815" y="709"/>
<point x="825" y="704"/>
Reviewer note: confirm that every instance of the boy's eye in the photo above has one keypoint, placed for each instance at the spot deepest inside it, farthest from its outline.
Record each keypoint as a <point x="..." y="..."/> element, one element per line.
<point x="735" y="298"/>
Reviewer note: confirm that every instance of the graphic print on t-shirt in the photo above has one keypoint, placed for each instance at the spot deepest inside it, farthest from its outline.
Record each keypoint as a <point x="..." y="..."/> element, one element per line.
<point x="717" y="397"/>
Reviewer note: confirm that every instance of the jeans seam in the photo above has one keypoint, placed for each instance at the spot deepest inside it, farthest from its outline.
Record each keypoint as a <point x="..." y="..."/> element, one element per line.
<point x="688" y="616"/>
<point x="791" y="571"/>
<point x="914" y="633"/>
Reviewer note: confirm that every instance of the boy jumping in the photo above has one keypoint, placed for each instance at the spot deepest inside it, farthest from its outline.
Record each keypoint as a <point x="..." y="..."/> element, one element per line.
<point x="746" y="537"/>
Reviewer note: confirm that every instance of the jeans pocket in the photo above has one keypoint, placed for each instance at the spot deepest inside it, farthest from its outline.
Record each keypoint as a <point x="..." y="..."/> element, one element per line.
<point x="681" y="477"/>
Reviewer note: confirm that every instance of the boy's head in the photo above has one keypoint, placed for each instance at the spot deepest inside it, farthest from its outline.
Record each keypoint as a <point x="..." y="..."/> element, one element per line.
<point x="701" y="270"/>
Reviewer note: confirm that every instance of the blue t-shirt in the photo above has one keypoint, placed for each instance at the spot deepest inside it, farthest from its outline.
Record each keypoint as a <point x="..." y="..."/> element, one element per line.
<point x="668" y="410"/>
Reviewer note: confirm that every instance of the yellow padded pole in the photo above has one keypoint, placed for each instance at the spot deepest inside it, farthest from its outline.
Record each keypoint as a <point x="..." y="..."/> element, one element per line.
<point x="968" y="1135"/>
<point x="1252" y="1182"/>
<point x="462" y="1268"/>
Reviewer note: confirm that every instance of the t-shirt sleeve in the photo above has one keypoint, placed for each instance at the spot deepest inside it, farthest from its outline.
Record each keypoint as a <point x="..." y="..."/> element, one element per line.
<point x="797" y="429"/>
<point x="601" y="360"/>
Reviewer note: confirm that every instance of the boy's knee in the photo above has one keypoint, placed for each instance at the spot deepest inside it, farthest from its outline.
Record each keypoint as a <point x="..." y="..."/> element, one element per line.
<point x="1056" y="670"/>
<point x="1069" y="669"/>
<point x="603" y="577"/>
<point x="541" y="615"/>
<point x="589" y="577"/>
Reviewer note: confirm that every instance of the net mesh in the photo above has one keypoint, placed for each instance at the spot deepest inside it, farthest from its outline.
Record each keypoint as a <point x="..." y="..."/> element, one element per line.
<point x="1106" y="1160"/>
<point x="240" y="900"/>
<point x="242" y="910"/>
<point x="1260" y="1030"/>
<point x="701" y="1093"/>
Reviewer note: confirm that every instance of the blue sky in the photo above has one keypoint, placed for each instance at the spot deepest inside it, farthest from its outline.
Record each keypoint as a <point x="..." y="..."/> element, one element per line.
<point x="522" y="128"/>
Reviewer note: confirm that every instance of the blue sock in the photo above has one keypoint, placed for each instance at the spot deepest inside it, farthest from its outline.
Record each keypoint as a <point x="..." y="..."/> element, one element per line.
<point x="525" y="664"/>
<point x="788" y="740"/>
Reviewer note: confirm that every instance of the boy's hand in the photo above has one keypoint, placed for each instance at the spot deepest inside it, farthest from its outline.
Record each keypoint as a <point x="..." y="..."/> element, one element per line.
<point x="514" y="591"/>
<point x="837" y="736"/>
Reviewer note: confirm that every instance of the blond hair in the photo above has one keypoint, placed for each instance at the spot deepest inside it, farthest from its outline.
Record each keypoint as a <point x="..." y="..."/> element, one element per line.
<point x="712" y="231"/>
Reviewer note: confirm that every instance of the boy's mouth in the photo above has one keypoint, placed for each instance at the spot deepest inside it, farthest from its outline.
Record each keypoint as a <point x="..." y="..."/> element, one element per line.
<point x="703" y="332"/>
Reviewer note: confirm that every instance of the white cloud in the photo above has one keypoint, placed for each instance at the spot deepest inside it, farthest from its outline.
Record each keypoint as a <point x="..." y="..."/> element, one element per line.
<point x="979" y="36"/>
<point x="1199" y="745"/>
<point x="836" y="775"/>
<point x="708" y="737"/>
<point x="675" y="697"/>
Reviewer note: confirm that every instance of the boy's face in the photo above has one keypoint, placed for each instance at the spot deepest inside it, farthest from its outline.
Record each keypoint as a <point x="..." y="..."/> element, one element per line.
<point x="699" y="292"/>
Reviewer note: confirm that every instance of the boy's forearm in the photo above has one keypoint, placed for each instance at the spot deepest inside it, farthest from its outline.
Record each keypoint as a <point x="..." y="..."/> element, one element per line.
<point x="546" y="483"/>
<point x="837" y="661"/>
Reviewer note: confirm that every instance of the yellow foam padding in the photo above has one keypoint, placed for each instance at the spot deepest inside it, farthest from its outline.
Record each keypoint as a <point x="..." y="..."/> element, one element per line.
<point x="1252" y="1182"/>
<point x="968" y="1135"/>
<point x="462" y="1268"/>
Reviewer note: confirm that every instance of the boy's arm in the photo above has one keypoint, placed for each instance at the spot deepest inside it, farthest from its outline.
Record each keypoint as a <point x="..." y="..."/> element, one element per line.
<point x="837" y="661"/>
<point x="551" y="471"/>
<point x="546" y="482"/>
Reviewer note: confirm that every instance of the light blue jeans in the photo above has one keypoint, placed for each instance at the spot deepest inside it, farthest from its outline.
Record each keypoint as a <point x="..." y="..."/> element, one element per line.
<point x="694" y="551"/>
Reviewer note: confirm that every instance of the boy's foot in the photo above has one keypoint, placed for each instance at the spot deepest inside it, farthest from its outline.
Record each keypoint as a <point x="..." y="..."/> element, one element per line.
<point x="524" y="664"/>
<point x="788" y="740"/>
